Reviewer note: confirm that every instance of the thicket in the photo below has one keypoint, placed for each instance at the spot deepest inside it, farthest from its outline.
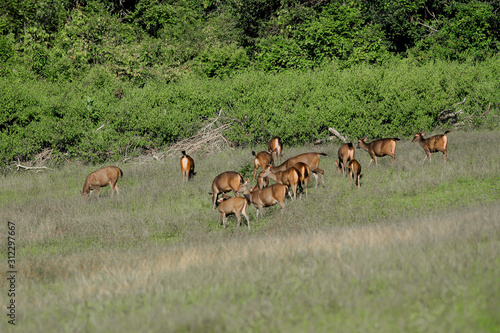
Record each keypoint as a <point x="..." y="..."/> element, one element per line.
<point x="104" y="79"/>
<point x="103" y="117"/>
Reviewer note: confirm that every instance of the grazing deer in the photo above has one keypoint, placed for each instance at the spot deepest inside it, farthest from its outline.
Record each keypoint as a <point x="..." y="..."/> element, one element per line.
<point x="268" y="196"/>
<point x="261" y="159"/>
<point x="355" y="173"/>
<point x="433" y="144"/>
<point x="305" y="175"/>
<point x="345" y="154"/>
<point x="187" y="167"/>
<point x="275" y="148"/>
<point x="311" y="159"/>
<point x="290" y="177"/>
<point x="236" y="205"/>
<point x="379" y="148"/>
<point x="103" y="177"/>
<point x="225" y="182"/>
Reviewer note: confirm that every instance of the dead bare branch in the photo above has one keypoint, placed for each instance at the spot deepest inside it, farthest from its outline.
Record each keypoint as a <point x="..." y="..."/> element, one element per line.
<point x="19" y="166"/>
<point x="99" y="128"/>
<point x="448" y="114"/>
<point x="337" y="134"/>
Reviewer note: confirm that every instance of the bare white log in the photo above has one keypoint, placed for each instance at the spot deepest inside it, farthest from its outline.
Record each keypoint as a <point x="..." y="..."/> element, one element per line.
<point x="337" y="134"/>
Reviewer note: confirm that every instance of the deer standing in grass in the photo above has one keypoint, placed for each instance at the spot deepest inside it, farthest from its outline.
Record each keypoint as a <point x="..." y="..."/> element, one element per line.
<point x="355" y="173"/>
<point x="290" y="177"/>
<point x="345" y="154"/>
<point x="103" y="177"/>
<point x="379" y="148"/>
<point x="261" y="159"/>
<point x="433" y="144"/>
<point x="187" y="167"/>
<point x="225" y="182"/>
<point x="275" y="148"/>
<point x="305" y="175"/>
<point x="268" y="196"/>
<point x="311" y="159"/>
<point x="236" y="205"/>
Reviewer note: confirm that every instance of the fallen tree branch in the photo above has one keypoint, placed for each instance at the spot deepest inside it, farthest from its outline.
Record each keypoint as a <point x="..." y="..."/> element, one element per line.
<point x="38" y="168"/>
<point x="337" y="134"/>
<point x="99" y="128"/>
<point x="447" y="114"/>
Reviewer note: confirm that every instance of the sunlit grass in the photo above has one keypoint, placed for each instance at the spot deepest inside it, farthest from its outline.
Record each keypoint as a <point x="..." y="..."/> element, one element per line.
<point x="414" y="249"/>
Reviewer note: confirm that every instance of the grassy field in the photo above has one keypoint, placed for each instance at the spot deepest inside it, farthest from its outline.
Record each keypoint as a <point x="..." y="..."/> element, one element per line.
<point x="415" y="249"/>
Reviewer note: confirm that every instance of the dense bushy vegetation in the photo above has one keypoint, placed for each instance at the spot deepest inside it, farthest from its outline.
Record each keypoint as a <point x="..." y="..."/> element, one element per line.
<point x="152" y="71"/>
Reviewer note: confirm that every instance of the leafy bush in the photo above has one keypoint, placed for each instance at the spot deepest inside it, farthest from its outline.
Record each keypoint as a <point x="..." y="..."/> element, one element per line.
<point x="101" y="117"/>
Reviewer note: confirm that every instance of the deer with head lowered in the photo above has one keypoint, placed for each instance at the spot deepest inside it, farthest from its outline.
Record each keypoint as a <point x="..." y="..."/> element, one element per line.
<point x="187" y="167"/>
<point x="311" y="159"/>
<point x="225" y="182"/>
<point x="379" y="148"/>
<point x="103" y="177"/>
<point x="290" y="177"/>
<point x="268" y="196"/>
<point x="433" y="144"/>
<point x="355" y="173"/>
<point x="345" y="154"/>
<point x="236" y="205"/>
<point x="275" y="148"/>
<point x="261" y="159"/>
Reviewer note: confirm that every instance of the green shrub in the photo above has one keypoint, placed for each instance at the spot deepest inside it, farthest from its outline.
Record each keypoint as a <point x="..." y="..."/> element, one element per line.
<point x="101" y="117"/>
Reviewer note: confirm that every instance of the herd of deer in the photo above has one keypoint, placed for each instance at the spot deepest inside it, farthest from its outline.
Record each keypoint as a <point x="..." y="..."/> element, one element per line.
<point x="291" y="176"/>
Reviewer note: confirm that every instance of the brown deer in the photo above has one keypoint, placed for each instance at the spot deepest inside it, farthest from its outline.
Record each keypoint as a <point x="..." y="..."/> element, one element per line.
<point x="379" y="148"/>
<point x="187" y="167"/>
<point x="290" y="177"/>
<point x="305" y="175"/>
<point x="275" y="148"/>
<point x="345" y="154"/>
<point x="261" y="159"/>
<point x="311" y="159"/>
<point x="355" y="173"/>
<point x="262" y="182"/>
<point x="268" y="196"/>
<point x="433" y="144"/>
<point x="225" y="182"/>
<point x="103" y="177"/>
<point x="236" y="205"/>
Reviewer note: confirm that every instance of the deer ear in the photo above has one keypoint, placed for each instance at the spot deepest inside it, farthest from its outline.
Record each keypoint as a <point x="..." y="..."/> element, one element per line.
<point x="423" y="133"/>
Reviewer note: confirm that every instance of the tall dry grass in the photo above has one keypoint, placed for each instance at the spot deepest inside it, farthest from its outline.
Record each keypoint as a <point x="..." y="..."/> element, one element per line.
<point x="415" y="249"/>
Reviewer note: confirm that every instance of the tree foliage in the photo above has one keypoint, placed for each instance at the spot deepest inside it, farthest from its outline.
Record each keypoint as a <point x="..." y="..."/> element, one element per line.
<point x="152" y="70"/>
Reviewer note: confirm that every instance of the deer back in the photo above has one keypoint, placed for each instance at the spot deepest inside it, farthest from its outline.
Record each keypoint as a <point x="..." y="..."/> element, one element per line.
<point x="227" y="181"/>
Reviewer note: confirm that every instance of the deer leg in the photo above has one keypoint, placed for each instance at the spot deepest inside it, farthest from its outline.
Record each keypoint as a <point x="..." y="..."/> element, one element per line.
<point x="322" y="173"/>
<point x="215" y="196"/>
<point x="244" y="213"/>
<point x="282" y="204"/>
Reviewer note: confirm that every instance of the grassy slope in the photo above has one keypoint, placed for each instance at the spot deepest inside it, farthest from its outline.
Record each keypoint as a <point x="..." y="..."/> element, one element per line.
<point x="415" y="249"/>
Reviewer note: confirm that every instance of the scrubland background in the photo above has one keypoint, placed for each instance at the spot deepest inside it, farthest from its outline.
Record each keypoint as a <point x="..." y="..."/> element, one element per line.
<point x="414" y="249"/>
